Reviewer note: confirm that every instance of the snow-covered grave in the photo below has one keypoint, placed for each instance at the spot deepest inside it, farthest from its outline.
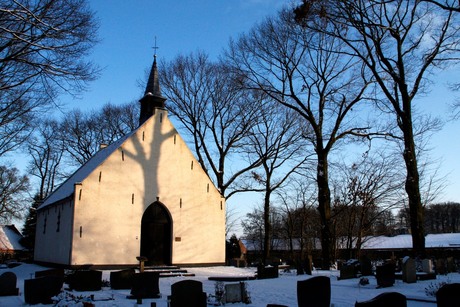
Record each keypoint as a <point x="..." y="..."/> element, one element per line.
<point x="281" y="290"/>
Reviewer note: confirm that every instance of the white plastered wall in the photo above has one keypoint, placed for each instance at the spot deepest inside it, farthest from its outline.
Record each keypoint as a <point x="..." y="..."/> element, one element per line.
<point x="53" y="235"/>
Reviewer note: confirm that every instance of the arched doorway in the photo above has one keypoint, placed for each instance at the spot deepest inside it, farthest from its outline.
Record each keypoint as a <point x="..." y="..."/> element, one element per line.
<point x="156" y="235"/>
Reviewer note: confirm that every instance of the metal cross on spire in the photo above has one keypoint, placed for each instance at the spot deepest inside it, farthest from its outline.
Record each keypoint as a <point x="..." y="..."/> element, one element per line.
<point x="155" y="48"/>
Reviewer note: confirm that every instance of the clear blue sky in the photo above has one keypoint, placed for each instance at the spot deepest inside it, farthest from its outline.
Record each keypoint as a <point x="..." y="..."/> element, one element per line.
<point x="127" y="33"/>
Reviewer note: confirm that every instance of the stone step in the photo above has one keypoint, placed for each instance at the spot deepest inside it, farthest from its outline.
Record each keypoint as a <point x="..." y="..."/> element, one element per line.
<point x="168" y="271"/>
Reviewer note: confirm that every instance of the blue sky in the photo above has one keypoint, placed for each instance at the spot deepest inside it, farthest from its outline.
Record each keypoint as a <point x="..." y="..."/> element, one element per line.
<point x="128" y="30"/>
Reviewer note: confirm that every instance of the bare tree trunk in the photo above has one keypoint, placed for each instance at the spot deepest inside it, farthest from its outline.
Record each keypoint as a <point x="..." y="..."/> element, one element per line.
<point x="412" y="186"/>
<point x="324" y="208"/>
<point x="267" y="227"/>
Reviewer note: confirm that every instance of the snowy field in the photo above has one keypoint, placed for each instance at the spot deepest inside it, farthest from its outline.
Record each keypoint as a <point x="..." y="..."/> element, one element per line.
<point x="280" y="290"/>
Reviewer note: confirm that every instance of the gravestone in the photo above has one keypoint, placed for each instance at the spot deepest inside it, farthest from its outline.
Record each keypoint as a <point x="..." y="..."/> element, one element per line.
<point x="8" y="282"/>
<point x="385" y="275"/>
<point x="448" y="295"/>
<point x="264" y="272"/>
<point x="409" y="272"/>
<point x="441" y="266"/>
<point x="365" y="266"/>
<point x="40" y="290"/>
<point x="393" y="299"/>
<point x="122" y="279"/>
<point x="187" y="293"/>
<point x="308" y="265"/>
<point x="315" y="291"/>
<point x="347" y="271"/>
<point x="450" y="265"/>
<point x="50" y="272"/>
<point x="233" y="293"/>
<point x="145" y="285"/>
<point x="427" y="266"/>
<point x="90" y="280"/>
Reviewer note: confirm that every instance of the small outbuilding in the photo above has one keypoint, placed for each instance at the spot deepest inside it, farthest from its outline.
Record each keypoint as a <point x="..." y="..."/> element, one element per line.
<point x="10" y="239"/>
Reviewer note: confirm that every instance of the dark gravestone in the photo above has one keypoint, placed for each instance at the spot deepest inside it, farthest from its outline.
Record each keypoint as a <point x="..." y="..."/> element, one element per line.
<point x="441" y="267"/>
<point x="145" y="285"/>
<point x="385" y="275"/>
<point x="85" y="280"/>
<point x="308" y="265"/>
<point x="393" y="299"/>
<point x="365" y="266"/>
<point x="450" y="265"/>
<point x="187" y="293"/>
<point x="41" y="290"/>
<point x="347" y="271"/>
<point x="122" y="279"/>
<point x="315" y="291"/>
<point x="409" y="272"/>
<point x="8" y="282"/>
<point x="264" y="272"/>
<point x="448" y="295"/>
<point x="50" y="272"/>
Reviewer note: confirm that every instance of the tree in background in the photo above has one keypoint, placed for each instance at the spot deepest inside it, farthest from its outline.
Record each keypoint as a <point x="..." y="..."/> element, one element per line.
<point x="442" y="218"/>
<point x="278" y="141"/>
<point x="46" y="150"/>
<point x="400" y="43"/>
<point x="43" y="48"/>
<point x="83" y="133"/>
<point x="13" y="189"/>
<point x="301" y="224"/>
<point x="30" y="225"/>
<point x="363" y="193"/>
<point x="214" y="113"/>
<point x="306" y="72"/>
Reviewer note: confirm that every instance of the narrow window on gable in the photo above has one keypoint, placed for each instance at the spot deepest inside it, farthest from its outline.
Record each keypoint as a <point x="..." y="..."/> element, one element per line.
<point x="44" y="225"/>
<point x="58" y="221"/>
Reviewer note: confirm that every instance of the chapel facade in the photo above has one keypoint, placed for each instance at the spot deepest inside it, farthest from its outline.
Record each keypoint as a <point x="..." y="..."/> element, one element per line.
<point x="144" y="195"/>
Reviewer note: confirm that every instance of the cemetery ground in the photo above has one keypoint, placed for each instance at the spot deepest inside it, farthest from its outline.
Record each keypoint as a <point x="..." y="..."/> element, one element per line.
<point x="281" y="290"/>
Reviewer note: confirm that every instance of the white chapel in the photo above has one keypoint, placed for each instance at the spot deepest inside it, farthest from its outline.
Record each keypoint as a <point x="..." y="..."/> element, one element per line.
<point x="144" y="195"/>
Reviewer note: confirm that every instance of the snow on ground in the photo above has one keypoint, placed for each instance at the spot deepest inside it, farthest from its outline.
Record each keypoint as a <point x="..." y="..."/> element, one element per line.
<point x="280" y="290"/>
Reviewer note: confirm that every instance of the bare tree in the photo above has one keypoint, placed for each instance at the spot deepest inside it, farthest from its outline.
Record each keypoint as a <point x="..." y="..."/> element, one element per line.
<point x="215" y="114"/>
<point x="401" y="43"/>
<point x="279" y="143"/>
<point x="450" y="5"/>
<point x="43" y="46"/>
<point x="305" y="71"/>
<point x="301" y="223"/>
<point x="84" y="133"/>
<point x="13" y="188"/>
<point x="46" y="150"/>
<point x="364" y="192"/>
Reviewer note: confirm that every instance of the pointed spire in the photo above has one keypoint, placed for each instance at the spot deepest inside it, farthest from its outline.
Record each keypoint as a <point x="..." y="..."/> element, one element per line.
<point x="152" y="96"/>
<point x="153" y="85"/>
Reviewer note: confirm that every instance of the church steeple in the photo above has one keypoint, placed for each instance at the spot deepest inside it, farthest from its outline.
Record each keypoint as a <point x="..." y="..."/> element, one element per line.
<point x="152" y="97"/>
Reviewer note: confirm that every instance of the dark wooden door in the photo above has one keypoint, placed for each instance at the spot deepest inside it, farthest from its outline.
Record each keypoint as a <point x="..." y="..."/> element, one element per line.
<point x="156" y="230"/>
